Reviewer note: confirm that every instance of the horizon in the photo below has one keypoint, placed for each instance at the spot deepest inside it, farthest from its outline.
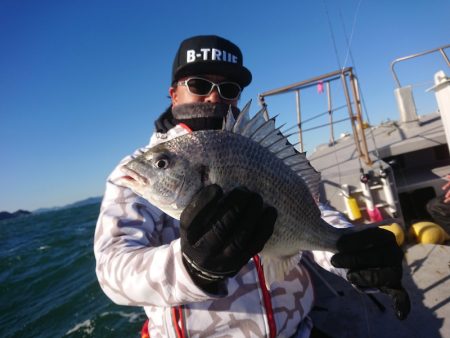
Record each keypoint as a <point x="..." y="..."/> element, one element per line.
<point x="83" y="82"/>
<point x="55" y="207"/>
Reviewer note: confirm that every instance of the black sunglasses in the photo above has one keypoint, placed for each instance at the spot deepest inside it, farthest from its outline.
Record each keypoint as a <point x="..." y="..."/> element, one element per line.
<point x="203" y="87"/>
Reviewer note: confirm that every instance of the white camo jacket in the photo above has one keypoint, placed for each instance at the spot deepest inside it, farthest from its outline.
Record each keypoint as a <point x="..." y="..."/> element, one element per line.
<point x="138" y="256"/>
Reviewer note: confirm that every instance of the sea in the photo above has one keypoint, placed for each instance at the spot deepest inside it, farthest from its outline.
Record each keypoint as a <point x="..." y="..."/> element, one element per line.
<point x="48" y="286"/>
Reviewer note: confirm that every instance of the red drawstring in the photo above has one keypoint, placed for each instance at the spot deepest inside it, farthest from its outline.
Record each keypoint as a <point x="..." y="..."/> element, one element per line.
<point x="185" y="126"/>
<point x="144" y="330"/>
<point x="177" y="312"/>
<point x="266" y="298"/>
<point x="177" y="319"/>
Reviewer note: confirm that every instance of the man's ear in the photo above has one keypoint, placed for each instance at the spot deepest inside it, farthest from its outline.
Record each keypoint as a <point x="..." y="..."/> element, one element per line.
<point x="173" y="95"/>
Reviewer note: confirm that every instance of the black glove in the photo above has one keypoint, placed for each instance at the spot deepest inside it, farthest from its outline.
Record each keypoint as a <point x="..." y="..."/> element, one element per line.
<point x="220" y="233"/>
<point x="374" y="260"/>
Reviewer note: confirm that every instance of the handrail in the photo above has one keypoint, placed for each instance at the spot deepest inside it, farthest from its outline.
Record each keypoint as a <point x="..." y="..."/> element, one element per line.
<point x="298" y="85"/>
<point x="343" y="75"/>
<point x="440" y="49"/>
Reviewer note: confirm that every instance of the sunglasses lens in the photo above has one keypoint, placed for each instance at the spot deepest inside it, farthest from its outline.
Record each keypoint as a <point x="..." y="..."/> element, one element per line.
<point x="199" y="86"/>
<point x="229" y="90"/>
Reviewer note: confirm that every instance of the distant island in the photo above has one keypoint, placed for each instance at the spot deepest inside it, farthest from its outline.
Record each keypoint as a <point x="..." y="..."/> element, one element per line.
<point x="87" y="201"/>
<point x="18" y="213"/>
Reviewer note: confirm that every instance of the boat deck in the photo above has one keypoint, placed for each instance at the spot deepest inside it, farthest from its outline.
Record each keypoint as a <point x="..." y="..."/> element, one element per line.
<point x="416" y="152"/>
<point x="427" y="280"/>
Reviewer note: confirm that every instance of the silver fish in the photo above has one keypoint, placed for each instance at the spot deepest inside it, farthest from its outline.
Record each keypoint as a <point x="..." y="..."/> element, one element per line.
<point x="246" y="152"/>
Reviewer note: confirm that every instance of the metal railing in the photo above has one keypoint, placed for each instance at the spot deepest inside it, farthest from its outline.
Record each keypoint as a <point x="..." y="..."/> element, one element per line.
<point x="355" y="118"/>
<point x="439" y="49"/>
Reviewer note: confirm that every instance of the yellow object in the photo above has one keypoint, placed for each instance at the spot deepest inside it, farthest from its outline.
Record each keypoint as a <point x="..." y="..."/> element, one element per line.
<point x="428" y="233"/>
<point x="397" y="230"/>
<point x="352" y="207"/>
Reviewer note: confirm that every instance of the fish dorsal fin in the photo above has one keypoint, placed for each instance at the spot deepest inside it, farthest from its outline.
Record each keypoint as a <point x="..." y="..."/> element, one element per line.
<point x="263" y="130"/>
<point x="254" y="124"/>
<point x="242" y="119"/>
<point x="229" y="121"/>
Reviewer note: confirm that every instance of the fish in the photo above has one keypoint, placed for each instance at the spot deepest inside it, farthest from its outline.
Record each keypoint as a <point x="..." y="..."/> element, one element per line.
<point x="246" y="152"/>
<point x="251" y="153"/>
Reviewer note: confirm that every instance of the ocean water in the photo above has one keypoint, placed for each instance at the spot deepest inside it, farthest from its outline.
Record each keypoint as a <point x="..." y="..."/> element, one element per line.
<point x="48" y="286"/>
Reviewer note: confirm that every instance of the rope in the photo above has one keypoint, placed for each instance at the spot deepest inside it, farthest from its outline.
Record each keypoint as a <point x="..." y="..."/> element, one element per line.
<point x="349" y="41"/>
<point x="349" y="53"/>
<point x="332" y="34"/>
<point x="326" y="124"/>
<point x="313" y="118"/>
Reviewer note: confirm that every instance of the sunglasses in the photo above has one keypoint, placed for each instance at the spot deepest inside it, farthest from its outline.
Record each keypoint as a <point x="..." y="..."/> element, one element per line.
<point x="203" y="87"/>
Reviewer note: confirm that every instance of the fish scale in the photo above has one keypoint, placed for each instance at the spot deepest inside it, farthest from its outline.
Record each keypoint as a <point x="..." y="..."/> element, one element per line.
<point x="235" y="157"/>
<point x="257" y="169"/>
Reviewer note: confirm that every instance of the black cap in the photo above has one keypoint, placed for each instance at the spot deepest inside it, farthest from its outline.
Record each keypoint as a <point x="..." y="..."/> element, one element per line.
<point x="210" y="54"/>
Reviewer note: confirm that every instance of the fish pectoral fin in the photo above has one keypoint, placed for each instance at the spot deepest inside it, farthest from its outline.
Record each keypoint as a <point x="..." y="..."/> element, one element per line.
<point x="204" y="175"/>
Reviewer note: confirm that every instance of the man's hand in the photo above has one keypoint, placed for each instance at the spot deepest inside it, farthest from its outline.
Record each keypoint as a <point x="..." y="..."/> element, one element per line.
<point x="220" y="233"/>
<point x="374" y="260"/>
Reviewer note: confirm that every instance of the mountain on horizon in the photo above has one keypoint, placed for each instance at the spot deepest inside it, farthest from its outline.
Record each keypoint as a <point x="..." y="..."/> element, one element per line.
<point x="18" y="213"/>
<point x="87" y="201"/>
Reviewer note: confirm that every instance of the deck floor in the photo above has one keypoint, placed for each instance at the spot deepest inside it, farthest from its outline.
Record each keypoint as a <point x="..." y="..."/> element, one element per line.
<point x="354" y="315"/>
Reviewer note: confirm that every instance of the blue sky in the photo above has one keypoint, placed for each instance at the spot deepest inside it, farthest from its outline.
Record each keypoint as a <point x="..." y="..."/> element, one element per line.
<point x="81" y="82"/>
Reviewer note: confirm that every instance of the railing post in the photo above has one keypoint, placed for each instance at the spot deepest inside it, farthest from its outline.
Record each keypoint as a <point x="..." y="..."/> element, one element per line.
<point x="350" y="112"/>
<point x="359" y="119"/>
<point x="299" y="119"/>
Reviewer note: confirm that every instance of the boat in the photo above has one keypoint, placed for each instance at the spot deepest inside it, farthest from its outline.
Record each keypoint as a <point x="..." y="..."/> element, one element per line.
<point x="383" y="175"/>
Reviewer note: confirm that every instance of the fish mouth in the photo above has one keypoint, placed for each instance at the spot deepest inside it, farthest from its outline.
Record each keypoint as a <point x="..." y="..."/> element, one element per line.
<point x="132" y="176"/>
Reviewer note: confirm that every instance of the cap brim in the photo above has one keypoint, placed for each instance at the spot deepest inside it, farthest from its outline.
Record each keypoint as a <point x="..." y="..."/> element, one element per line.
<point x="231" y="71"/>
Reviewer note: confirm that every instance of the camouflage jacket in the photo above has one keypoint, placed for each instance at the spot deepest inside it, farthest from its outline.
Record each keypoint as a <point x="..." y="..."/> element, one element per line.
<point x="137" y="250"/>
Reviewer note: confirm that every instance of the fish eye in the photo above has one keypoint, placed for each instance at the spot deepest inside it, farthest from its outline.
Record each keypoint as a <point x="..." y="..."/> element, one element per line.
<point x="162" y="163"/>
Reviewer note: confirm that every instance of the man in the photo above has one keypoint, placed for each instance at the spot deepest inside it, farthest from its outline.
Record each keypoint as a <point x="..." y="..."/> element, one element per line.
<point x="439" y="207"/>
<point x="202" y="277"/>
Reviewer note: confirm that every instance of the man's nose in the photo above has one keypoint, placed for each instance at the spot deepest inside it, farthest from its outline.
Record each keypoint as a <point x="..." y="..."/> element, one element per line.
<point x="214" y="96"/>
